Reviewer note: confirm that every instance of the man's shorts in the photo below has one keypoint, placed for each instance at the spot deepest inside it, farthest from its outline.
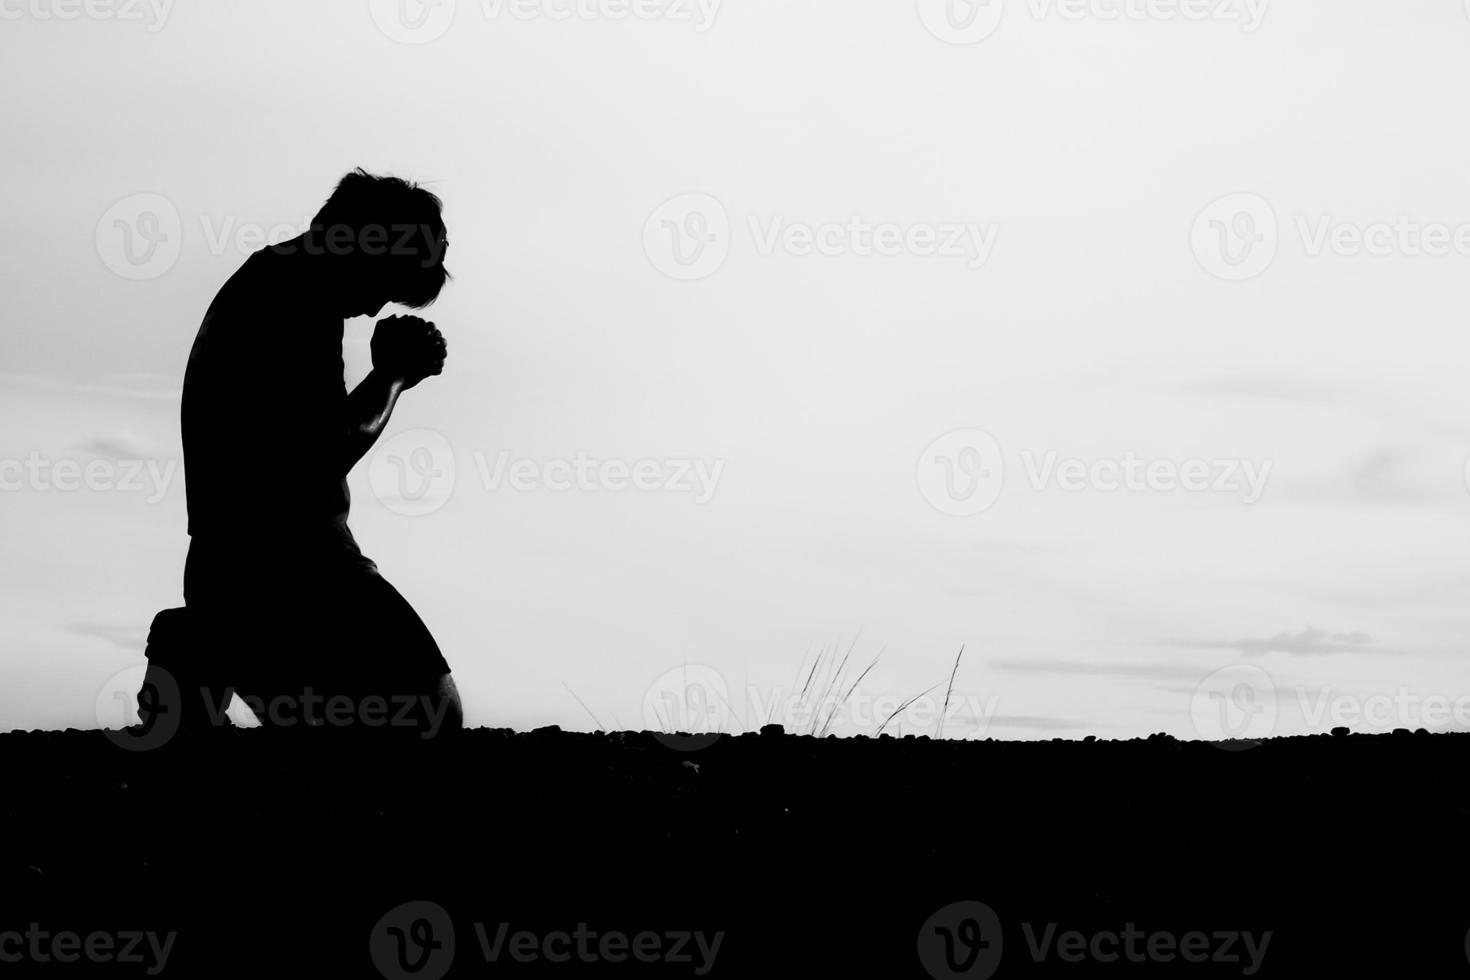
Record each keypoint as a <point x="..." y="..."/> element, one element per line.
<point x="285" y="612"/>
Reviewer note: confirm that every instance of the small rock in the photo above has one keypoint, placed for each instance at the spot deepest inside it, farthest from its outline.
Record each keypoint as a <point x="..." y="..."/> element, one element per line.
<point x="1340" y="731"/>
<point x="773" y="730"/>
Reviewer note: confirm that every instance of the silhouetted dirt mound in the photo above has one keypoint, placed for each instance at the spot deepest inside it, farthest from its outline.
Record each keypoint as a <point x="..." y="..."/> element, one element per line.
<point x="284" y="854"/>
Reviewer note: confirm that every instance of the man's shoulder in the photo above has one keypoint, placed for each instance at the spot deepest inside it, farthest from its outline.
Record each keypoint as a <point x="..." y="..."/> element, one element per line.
<point x="243" y="290"/>
<point x="269" y="286"/>
<point x="268" y="266"/>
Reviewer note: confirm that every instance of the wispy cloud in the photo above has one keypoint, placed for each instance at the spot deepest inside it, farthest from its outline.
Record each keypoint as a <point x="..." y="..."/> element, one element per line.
<point x="1273" y="387"/>
<point x="133" y="637"/>
<point x="148" y="387"/>
<point x="123" y="444"/>
<point x="1039" y="723"/>
<point x="1309" y="642"/>
<point x="1363" y="396"/>
<point x="1388" y="474"/>
<point x="1384" y="474"/>
<point x="1079" y="668"/>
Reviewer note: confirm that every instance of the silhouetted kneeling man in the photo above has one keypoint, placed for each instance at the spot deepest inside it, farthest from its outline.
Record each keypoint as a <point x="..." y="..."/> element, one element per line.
<point x="282" y="605"/>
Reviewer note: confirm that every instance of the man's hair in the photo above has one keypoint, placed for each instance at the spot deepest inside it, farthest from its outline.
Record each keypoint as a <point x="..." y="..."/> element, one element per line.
<point x="395" y="227"/>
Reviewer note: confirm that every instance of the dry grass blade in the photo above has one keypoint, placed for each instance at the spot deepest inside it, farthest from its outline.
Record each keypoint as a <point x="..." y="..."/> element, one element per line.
<point x="738" y="720"/>
<point x="900" y="710"/>
<point x="813" y="672"/>
<point x="600" y="726"/>
<point x="794" y="678"/>
<point x="944" y="712"/>
<point x="848" y="694"/>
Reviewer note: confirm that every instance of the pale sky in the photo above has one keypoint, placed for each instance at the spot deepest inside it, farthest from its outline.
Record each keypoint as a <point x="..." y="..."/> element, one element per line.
<point x="1071" y="161"/>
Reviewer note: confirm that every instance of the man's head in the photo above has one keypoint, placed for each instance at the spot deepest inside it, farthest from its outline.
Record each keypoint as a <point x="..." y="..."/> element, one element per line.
<point x="386" y="239"/>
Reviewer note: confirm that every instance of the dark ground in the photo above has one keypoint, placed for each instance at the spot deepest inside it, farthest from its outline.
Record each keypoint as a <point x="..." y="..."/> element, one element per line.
<point x="279" y="854"/>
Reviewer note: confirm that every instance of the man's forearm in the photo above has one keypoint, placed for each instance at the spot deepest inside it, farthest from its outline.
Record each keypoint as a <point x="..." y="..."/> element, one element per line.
<point x="369" y="407"/>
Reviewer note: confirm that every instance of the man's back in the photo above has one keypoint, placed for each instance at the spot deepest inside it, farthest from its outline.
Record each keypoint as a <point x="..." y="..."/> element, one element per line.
<point x="263" y="406"/>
